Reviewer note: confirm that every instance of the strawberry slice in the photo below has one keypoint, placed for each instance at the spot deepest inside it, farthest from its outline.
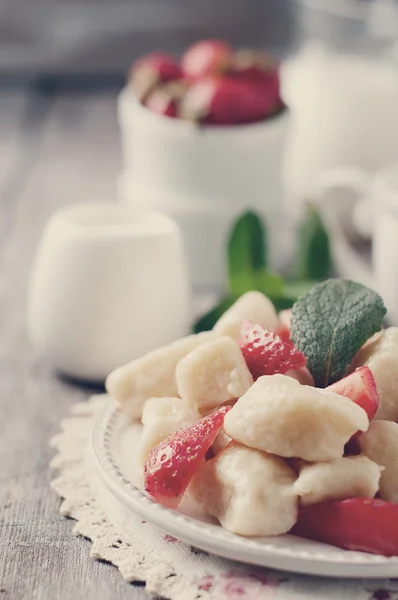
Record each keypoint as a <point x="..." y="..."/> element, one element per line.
<point x="266" y="353"/>
<point x="172" y="463"/>
<point x="360" y="387"/>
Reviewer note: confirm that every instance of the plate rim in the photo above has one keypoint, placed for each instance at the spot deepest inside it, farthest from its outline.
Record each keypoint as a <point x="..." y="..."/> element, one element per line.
<point x="226" y="544"/>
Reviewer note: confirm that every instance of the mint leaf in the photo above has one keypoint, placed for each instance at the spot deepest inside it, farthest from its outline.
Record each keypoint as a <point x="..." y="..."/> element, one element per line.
<point x="330" y="324"/>
<point x="207" y="321"/>
<point x="313" y="253"/>
<point x="246" y="253"/>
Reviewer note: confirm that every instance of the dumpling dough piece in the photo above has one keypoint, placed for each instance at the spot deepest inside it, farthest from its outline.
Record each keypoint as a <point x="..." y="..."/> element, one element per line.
<point x="160" y="418"/>
<point x="380" y="354"/>
<point x="350" y="477"/>
<point x="380" y="443"/>
<point x="280" y="416"/>
<point x="249" y="492"/>
<point x="213" y="374"/>
<point x="151" y="375"/>
<point x="252" y="306"/>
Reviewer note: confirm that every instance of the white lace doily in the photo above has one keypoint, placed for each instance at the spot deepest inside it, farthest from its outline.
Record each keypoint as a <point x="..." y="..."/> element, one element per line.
<point x="171" y="569"/>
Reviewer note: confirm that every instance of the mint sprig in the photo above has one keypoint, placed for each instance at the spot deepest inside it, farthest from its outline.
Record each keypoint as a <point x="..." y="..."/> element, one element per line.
<point x="247" y="265"/>
<point x="247" y="251"/>
<point x="330" y="324"/>
<point x="313" y="256"/>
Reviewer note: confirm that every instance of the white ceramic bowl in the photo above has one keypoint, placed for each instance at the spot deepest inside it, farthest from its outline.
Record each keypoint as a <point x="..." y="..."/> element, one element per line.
<point x="236" y="164"/>
<point x="203" y="177"/>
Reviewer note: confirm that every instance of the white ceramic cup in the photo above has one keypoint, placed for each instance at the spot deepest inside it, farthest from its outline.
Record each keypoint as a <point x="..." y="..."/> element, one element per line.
<point x="204" y="177"/>
<point x="376" y="216"/>
<point x="108" y="285"/>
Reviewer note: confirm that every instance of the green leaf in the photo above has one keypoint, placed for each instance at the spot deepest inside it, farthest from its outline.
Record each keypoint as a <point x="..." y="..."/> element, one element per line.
<point x="268" y="283"/>
<point x="207" y="321"/>
<point x="330" y="324"/>
<point x="295" y="289"/>
<point x="246" y="253"/>
<point x="292" y="290"/>
<point x="313" y="252"/>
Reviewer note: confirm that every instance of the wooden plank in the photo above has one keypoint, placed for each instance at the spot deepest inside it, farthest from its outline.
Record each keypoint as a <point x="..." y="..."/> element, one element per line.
<point x="13" y="107"/>
<point x="39" y="556"/>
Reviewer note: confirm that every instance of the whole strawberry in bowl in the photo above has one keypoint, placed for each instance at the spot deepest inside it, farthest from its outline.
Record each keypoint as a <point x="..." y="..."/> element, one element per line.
<point x="223" y="101"/>
<point x="218" y="86"/>
<point x="208" y="57"/>
<point x="260" y="71"/>
<point x="150" y="71"/>
<point x="164" y="99"/>
<point x="202" y="134"/>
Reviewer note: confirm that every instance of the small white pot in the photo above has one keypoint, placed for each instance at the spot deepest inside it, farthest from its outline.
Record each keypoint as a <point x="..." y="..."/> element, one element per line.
<point x="108" y="285"/>
<point x="203" y="176"/>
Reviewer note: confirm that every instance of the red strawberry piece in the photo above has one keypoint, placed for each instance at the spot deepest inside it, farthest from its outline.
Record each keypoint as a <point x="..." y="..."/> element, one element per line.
<point x="223" y="101"/>
<point x="365" y="524"/>
<point x="208" y="57"/>
<point x="172" y="463"/>
<point x="147" y="72"/>
<point x="285" y="318"/>
<point x="360" y="387"/>
<point x="266" y="353"/>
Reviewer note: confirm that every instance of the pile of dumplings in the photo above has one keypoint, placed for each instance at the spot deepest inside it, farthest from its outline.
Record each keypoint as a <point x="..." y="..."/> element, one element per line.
<point x="283" y="440"/>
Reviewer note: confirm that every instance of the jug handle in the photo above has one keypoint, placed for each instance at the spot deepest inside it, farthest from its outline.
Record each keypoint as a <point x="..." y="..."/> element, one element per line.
<point x="347" y="178"/>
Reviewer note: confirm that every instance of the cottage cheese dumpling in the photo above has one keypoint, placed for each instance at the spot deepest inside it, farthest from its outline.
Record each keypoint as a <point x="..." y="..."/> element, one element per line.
<point x="160" y="418"/>
<point x="280" y="416"/>
<point x="252" y="306"/>
<point x="151" y="375"/>
<point x="380" y="443"/>
<point x="213" y="374"/>
<point x="249" y="492"/>
<point x="350" y="477"/>
<point x="380" y="354"/>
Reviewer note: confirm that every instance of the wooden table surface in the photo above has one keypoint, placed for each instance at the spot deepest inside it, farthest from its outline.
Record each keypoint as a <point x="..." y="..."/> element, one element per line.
<point x="56" y="146"/>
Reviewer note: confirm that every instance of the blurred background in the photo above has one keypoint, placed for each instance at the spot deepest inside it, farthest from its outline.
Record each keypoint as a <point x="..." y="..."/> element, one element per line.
<point x="95" y="37"/>
<point x="64" y="135"/>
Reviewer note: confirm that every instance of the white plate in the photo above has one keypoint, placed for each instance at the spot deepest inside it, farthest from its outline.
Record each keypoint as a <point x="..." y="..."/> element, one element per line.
<point x="114" y="452"/>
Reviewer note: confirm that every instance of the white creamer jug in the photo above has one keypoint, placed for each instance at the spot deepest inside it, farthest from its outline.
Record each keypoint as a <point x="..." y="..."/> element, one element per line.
<point x="344" y="112"/>
<point x="108" y="285"/>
